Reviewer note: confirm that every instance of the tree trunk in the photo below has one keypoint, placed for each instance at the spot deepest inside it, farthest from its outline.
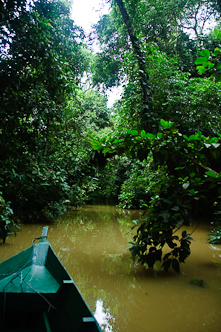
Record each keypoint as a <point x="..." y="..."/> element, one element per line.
<point x="144" y="77"/>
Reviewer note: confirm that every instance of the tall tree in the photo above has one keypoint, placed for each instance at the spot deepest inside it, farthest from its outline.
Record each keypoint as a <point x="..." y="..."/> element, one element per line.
<point x="127" y="37"/>
<point x="144" y="78"/>
<point x="41" y="63"/>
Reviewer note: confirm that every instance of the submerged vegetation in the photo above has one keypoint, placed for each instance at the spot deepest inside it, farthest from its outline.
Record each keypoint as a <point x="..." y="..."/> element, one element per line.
<point x="157" y="148"/>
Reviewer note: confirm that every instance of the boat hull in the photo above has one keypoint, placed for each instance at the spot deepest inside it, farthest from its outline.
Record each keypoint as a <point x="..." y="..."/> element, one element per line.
<point x="37" y="294"/>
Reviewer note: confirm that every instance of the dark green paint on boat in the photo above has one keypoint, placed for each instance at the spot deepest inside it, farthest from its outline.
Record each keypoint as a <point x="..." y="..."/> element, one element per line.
<point x="37" y="294"/>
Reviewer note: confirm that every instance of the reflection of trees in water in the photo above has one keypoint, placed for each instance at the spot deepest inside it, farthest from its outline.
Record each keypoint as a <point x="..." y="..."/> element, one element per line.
<point x="103" y="316"/>
<point x="101" y="221"/>
<point x="100" y="229"/>
<point x="95" y="255"/>
<point x="93" y="248"/>
<point x="117" y="264"/>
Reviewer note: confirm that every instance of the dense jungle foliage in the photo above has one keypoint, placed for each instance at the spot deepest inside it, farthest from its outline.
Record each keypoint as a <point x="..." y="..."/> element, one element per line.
<point x="157" y="148"/>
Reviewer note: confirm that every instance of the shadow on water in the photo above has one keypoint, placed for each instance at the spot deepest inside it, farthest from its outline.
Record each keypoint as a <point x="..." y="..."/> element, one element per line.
<point x="91" y="242"/>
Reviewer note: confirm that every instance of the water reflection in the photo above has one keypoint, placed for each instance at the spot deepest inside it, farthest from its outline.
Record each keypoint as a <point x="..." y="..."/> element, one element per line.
<point x="103" y="316"/>
<point x="91" y="243"/>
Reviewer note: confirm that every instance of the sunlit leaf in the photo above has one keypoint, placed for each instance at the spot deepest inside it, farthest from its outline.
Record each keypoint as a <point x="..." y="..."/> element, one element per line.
<point x="132" y="132"/>
<point x="149" y="135"/>
<point x="210" y="65"/>
<point x="201" y="69"/>
<point x="215" y="145"/>
<point x="217" y="33"/>
<point x="186" y="185"/>
<point x="143" y="133"/>
<point x="205" y="53"/>
<point x="212" y="174"/>
<point x="159" y="135"/>
<point x="200" y="61"/>
<point x="166" y="124"/>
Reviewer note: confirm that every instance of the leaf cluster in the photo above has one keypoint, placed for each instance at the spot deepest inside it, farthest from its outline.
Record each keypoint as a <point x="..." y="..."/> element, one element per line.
<point x="189" y="162"/>
<point x="42" y="60"/>
<point x="7" y="222"/>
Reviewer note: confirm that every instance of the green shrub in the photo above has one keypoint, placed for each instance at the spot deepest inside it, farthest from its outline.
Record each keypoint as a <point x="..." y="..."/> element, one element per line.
<point x="6" y="222"/>
<point x="144" y="180"/>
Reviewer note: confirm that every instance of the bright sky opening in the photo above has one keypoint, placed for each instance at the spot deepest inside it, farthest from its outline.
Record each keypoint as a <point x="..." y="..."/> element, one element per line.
<point x="85" y="13"/>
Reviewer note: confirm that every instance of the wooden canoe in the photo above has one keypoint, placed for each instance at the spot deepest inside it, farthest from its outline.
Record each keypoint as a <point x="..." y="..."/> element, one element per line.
<point x="37" y="294"/>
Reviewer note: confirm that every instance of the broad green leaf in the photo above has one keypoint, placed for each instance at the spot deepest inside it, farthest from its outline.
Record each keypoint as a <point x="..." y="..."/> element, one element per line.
<point x="132" y="132"/>
<point x="205" y="53"/>
<point x="192" y="192"/>
<point x="149" y="135"/>
<point x="143" y="133"/>
<point x="214" y="139"/>
<point x="95" y="142"/>
<point x="194" y="137"/>
<point x="106" y="149"/>
<point x="217" y="51"/>
<point x="217" y="33"/>
<point x="210" y="65"/>
<point x="200" y="61"/>
<point x="212" y="174"/>
<point x="201" y="69"/>
<point x="166" y="124"/>
<point x="118" y="140"/>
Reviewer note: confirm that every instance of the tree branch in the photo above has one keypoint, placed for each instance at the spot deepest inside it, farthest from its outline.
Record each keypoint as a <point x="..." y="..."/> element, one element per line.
<point x="205" y="167"/>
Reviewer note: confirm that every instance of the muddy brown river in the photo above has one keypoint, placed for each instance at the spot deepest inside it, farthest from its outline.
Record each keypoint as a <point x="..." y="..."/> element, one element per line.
<point x="91" y="243"/>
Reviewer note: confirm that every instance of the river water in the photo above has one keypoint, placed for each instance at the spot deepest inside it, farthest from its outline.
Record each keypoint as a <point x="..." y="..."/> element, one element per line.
<point x="91" y="243"/>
